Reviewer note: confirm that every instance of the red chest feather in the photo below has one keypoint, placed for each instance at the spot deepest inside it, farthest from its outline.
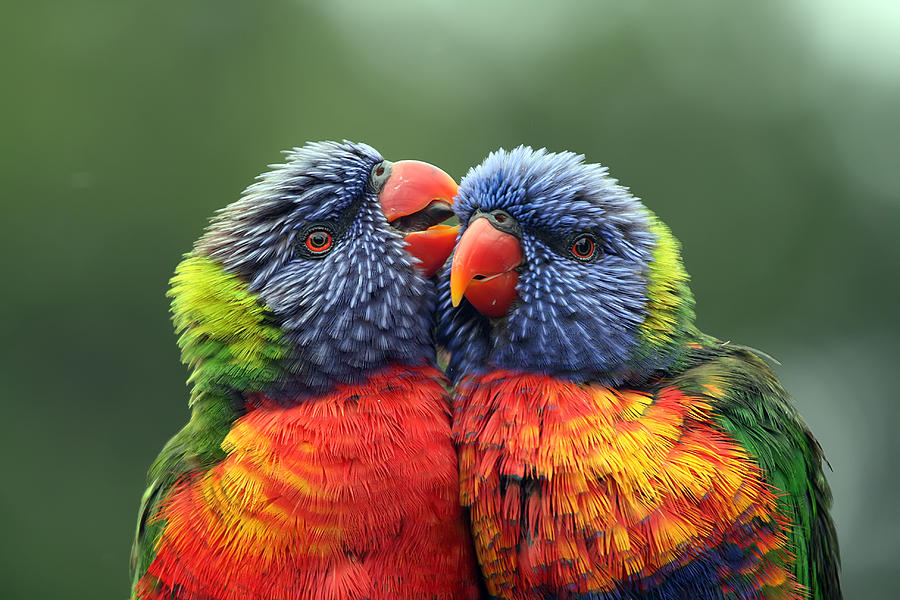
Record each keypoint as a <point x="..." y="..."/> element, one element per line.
<point x="589" y="489"/>
<point x="351" y="495"/>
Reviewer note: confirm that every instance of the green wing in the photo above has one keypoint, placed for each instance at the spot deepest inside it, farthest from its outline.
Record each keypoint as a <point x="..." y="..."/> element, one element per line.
<point x="197" y="447"/>
<point x="752" y="406"/>
<point x="228" y="340"/>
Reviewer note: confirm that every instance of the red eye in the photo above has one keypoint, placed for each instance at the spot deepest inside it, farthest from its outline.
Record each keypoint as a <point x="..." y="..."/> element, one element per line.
<point x="583" y="247"/>
<point x="318" y="241"/>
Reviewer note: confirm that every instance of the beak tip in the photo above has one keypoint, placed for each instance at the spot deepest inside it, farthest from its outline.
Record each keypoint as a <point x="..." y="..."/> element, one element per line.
<point x="456" y="294"/>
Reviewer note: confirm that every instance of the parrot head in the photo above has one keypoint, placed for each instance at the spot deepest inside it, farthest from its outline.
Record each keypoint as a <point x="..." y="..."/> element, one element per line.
<point x="318" y="274"/>
<point x="561" y="271"/>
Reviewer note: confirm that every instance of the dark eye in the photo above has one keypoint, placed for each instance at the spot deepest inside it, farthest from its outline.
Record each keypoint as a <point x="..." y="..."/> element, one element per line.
<point x="318" y="241"/>
<point x="584" y="247"/>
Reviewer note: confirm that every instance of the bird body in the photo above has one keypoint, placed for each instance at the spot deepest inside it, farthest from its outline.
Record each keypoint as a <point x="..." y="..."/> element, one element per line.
<point x="608" y="448"/>
<point x="603" y="491"/>
<point x="318" y="462"/>
<point x="337" y="494"/>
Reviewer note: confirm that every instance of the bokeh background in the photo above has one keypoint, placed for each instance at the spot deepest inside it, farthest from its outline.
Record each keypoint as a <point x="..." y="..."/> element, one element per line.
<point x="767" y="134"/>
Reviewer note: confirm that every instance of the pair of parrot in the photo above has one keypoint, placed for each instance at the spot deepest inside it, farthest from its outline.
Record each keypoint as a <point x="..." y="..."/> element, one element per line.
<point x="595" y="444"/>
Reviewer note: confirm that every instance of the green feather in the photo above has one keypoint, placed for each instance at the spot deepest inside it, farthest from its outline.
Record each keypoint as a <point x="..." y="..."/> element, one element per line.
<point x="669" y="316"/>
<point x="227" y="342"/>
<point x="750" y="405"/>
<point x="224" y="335"/>
<point x="753" y="408"/>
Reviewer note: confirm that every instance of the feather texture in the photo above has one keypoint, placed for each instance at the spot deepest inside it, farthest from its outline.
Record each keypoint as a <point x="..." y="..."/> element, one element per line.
<point x="608" y="449"/>
<point x="604" y="493"/>
<point x="751" y="405"/>
<point x="317" y="462"/>
<point x="343" y="494"/>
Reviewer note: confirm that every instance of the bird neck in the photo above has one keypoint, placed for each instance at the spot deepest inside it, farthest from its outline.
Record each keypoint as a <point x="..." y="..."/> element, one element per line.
<point x="225" y="335"/>
<point x="669" y="318"/>
<point x="235" y="346"/>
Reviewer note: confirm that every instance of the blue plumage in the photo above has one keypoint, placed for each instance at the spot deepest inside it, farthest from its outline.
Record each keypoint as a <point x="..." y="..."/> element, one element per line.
<point x="573" y="319"/>
<point x="609" y="450"/>
<point x="361" y="307"/>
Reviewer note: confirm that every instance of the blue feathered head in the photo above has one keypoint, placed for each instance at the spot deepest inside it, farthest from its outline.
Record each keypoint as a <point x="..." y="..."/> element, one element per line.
<point x="560" y="270"/>
<point x="318" y="275"/>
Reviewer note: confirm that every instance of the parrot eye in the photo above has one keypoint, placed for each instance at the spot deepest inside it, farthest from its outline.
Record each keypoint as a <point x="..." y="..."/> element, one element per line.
<point x="317" y="242"/>
<point x="380" y="174"/>
<point x="584" y="247"/>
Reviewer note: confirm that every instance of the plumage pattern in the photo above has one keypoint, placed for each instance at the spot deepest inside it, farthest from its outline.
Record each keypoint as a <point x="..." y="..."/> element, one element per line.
<point x="606" y="320"/>
<point x="611" y="492"/>
<point x="333" y="498"/>
<point x="317" y="463"/>
<point x="609" y="449"/>
<point x="751" y="406"/>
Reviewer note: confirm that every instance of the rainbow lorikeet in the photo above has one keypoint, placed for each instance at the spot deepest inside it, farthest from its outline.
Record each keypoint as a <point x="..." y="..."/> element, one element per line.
<point x="318" y="461"/>
<point x="609" y="449"/>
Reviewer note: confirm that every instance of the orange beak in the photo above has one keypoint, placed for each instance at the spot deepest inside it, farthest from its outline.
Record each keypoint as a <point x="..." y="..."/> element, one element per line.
<point x="483" y="268"/>
<point x="418" y="187"/>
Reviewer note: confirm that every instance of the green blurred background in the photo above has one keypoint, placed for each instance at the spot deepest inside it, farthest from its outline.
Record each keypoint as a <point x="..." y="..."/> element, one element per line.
<point x="766" y="134"/>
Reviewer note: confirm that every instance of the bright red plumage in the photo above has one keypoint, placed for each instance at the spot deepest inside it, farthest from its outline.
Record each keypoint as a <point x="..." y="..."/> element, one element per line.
<point x="342" y="496"/>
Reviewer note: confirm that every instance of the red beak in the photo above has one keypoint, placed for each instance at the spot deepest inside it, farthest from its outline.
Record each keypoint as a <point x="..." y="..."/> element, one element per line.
<point x="491" y="256"/>
<point x="413" y="187"/>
